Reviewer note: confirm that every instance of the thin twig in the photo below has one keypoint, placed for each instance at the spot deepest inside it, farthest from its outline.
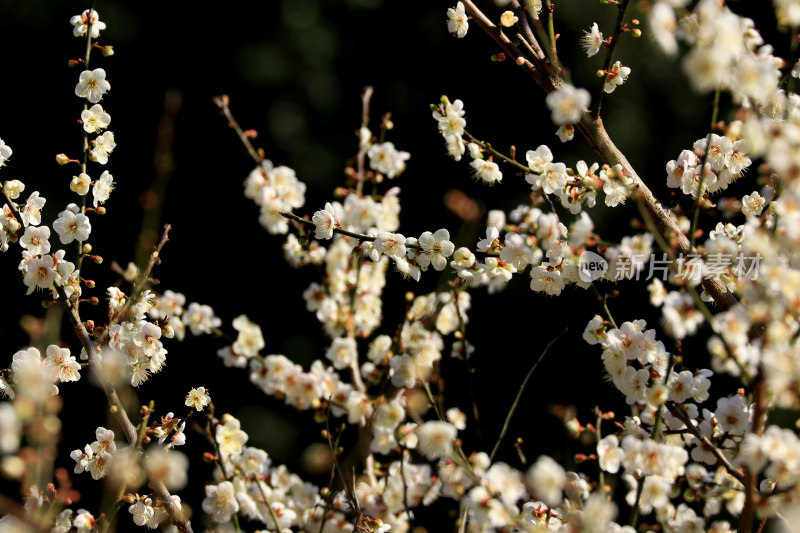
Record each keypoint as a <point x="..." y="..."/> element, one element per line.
<point x="366" y="96"/>
<point x="623" y="6"/>
<point x="680" y="415"/>
<point x="222" y="102"/>
<point x="514" y="406"/>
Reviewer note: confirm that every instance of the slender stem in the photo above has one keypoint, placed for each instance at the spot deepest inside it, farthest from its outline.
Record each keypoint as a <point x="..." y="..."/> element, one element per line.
<point x="622" y="7"/>
<point x="269" y="506"/>
<point x="635" y="514"/>
<point x="85" y="154"/>
<point x="551" y="34"/>
<point x="366" y="96"/>
<point x="525" y="29"/>
<point x="517" y="399"/>
<point x="488" y="147"/>
<point x="143" y="278"/>
<point x="222" y="103"/>
<point x="702" y="185"/>
<point x="604" y="303"/>
<point x="601" y="481"/>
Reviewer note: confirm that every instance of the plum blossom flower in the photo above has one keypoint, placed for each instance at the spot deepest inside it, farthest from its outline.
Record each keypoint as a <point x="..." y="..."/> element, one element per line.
<point x="32" y="213"/>
<point x="142" y="510"/>
<point x="95" y="119"/>
<point x="385" y="158"/>
<point x="72" y="226"/>
<point x="40" y="272"/>
<point x="36" y="240"/>
<point x="457" y="20"/>
<point x="80" y="184"/>
<point x="102" y="146"/>
<point x="342" y="353"/>
<point x="487" y="171"/>
<point x="220" y="502"/>
<point x="437" y="248"/>
<point x="615" y="77"/>
<point x="567" y="104"/>
<point x="508" y="19"/>
<point x="592" y="40"/>
<point x="64" y="365"/>
<point x="436" y="438"/>
<point x="325" y="222"/>
<point x="539" y="158"/>
<point x="92" y="85"/>
<point x="5" y="152"/>
<point x="753" y="204"/>
<point x="102" y="188"/>
<point x="198" y="398"/>
<point x="80" y="24"/>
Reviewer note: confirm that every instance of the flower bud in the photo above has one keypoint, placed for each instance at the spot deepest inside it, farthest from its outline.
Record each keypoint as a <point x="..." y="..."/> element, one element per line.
<point x="97" y="259"/>
<point x="74" y="63"/>
<point x="93" y="301"/>
<point x="498" y="57"/>
<point x="87" y="248"/>
<point x="520" y="61"/>
<point x="62" y="159"/>
<point x="508" y="19"/>
<point x="107" y="51"/>
<point x="101" y="210"/>
<point x="89" y="283"/>
<point x="600" y="73"/>
<point x="209" y="457"/>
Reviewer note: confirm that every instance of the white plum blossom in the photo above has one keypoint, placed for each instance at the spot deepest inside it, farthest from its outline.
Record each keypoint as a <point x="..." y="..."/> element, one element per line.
<point x="36" y="240"/>
<point x="80" y="184"/>
<point x="102" y="188"/>
<point x="32" y="212"/>
<point x="457" y="22"/>
<point x="487" y="171"/>
<point x="5" y="153"/>
<point x="95" y="119"/>
<point x="41" y="273"/>
<point x="386" y="159"/>
<point x="567" y="104"/>
<point x="342" y="353"/>
<point x="92" y="85"/>
<point x="436" y="248"/>
<point x="198" y="398"/>
<point x="220" y="502"/>
<point x="102" y="146"/>
<point x="615" y="77"/>
<point x="592" y="40"/>
<point x="72" y="226"/>
<point x="325" y="222"/>
<point x="539" y="158"/>
<point x="753" y="204"/>
<point x="80" y="24"/>
<point x="436" y="438"/>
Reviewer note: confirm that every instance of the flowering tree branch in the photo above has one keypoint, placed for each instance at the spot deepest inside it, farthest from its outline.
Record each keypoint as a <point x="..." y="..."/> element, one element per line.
<point x="678" y="413"/>
<point x="595" y="133"/>
<point x="117" y="407"/>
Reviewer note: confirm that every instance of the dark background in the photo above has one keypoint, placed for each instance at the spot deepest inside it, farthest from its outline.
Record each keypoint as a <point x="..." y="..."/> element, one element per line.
<point x="294" y="70"/>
